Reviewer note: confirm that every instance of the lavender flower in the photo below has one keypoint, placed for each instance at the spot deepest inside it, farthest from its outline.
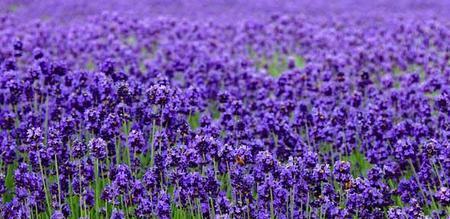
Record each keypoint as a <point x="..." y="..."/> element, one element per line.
<point x="98" y="148"/>
<point x="443" y="196"/>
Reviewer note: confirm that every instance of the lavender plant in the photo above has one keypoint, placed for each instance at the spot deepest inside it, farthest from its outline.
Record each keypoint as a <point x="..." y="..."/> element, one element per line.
<point x="292" y="115"/>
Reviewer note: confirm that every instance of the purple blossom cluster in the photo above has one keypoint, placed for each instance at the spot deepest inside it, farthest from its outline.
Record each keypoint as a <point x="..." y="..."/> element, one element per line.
<point x="346" y="116"/>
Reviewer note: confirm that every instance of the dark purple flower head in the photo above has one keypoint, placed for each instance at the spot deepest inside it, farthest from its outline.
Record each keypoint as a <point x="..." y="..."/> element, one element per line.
<point x="110" y="194"/>
<point x="34" y="135"/>
<point x="222" y="204"/>
<point x="14" y="209"/>
<point x="124" y="92"/>
<point x="7" y="120"/>
<point x="89" y="197"/>
<point x="122" y="177"/>
<point x="442" y="103"/>
<point x="57" y="215"/>
<point x="2" y="184"/>
<point x="391" y="169"/>
<point x="321" y="173"/>
<point x="163" y="206"/>
<point x="144" y="208"/>
<point x="158" y="94"/>
<point x="341" y="171"/>
<point x="266" y="161"/>
<point x="414" y="210"/>
<point x="375" y="174"/>
<point x="79" y="149"/>
<point x="310" y="159"/>
<point x="98" y="148"/>
<point x="431" y="147"/>
<point x="38" y="53"/>
<point x="8" y="151"/>
<point x="396" y="213"/>
<point x="150" y="178"/>
<point x="107" y="66"/>
<point x="404" y="150"/>
<point x="136" y="141"/>
<point x="92" y="119"/>
<point x="117" y="214"/>
<point x="443" y="196"/>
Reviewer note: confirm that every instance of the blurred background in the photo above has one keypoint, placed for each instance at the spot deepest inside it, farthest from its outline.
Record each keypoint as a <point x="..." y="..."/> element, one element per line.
<point x="225" y="10"/>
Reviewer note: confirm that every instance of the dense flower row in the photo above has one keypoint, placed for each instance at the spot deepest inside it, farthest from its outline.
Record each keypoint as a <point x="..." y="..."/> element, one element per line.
<point x="292" y="117"/>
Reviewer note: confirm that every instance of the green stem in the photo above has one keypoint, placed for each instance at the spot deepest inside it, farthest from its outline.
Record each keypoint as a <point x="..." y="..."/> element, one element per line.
<point x="57" y="179"/>
<point x="43" y="176"/>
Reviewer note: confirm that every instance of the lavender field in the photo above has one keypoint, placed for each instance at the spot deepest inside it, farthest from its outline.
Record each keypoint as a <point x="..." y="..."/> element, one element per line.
<point x="221" y="109"/>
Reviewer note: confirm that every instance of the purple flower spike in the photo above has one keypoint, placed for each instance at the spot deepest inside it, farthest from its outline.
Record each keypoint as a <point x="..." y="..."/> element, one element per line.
<point x="98" y="148"/>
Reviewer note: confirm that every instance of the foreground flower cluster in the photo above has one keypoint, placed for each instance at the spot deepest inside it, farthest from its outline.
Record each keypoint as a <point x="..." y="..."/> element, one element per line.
<point x="293" y="117"/>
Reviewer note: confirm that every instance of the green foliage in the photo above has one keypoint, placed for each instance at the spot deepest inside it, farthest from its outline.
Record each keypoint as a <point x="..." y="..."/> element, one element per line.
<point x="359" y="163"/>
<point x="276" y="67"/>
<point x="277" y="63"/>
<point x="194" y="120"/>
<point x="299" y="62"/>
<point x="9" y="183"/>
<point x="90" y="65"/>
<point x="215" y="113"/>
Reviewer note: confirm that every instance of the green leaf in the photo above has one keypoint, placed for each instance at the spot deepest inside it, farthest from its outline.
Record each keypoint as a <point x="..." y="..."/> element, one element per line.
<point x="299" y="62"/>
<point x="359" y="163"/>
<point x="9" y="183"/>
<point x="194" y="120"/>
